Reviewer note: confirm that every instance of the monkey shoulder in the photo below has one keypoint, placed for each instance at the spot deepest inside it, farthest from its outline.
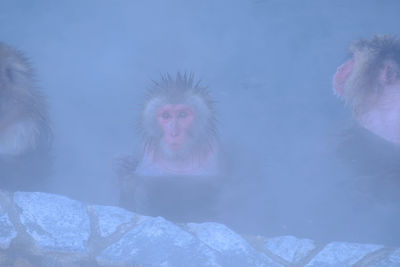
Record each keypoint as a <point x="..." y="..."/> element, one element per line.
<point x="372" y="161"/>
<point x="367" y="152"/>
<point x="369" y="173"/>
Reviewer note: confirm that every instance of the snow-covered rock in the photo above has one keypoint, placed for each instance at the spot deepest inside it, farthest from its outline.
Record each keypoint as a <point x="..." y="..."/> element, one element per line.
<point x="51" y="230"/>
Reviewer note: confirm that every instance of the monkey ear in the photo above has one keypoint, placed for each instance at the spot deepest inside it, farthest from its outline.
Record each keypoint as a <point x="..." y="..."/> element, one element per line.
<point x="389" y="73"/>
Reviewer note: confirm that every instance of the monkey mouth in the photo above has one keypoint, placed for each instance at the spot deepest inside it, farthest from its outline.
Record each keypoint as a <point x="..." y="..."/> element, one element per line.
<point x="338" y="87"/>
<point x="175" y="146"/>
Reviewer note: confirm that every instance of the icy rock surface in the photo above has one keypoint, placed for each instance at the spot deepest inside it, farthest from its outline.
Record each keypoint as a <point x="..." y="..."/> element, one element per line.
<point x="342" y="254"/>
<point x="54" y="222"/>
<point x="158" y="242"/>
<point x="290" y="248"/>
<point x="43" y="229"/>
<point x="7" y="230"/>
<point x="235" y="250"/>
<point x="111" y="218"/>
<point x="392" y="260"/>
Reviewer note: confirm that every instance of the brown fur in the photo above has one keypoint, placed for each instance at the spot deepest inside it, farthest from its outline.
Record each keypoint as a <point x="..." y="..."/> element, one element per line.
<point x="22" y="104"/>
<point x="182" y="89"/>
<point x="177" y="197"/>
<point x="363" y="87"/>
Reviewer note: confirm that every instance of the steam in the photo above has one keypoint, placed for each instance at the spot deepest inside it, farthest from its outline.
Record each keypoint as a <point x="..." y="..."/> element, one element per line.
<point x="267" y="63"/>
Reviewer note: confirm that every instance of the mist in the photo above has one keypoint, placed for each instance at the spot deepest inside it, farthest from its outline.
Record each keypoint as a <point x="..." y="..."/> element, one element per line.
<point x="267" y="63"/>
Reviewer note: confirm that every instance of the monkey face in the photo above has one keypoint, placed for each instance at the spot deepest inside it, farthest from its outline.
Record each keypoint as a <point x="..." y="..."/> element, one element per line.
<point x="342" y="75"/>
<point x="175" y="121"/>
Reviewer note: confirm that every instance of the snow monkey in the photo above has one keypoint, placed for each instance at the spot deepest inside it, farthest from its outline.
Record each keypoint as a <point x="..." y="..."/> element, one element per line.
<point x="178" y="174"/>
<point x="369" y="82"/>
<point x="25" y="134"/>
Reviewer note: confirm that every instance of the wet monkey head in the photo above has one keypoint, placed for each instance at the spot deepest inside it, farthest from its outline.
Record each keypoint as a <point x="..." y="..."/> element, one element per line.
<point x="178" y="118"/>
<point x="373" y="67"/>
<point x="369" y="83"/>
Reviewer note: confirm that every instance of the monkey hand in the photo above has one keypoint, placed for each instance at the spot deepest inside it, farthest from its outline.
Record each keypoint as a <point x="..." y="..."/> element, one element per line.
<point x="125" y="166"/>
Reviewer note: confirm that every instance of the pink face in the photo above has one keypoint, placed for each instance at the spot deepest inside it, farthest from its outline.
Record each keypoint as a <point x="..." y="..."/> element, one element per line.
<point x="342" y="74"/>
<point x="175" y="121"/>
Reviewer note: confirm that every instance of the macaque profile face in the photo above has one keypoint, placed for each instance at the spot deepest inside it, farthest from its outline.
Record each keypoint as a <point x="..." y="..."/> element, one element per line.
<point x="369" y="83"/>
<point x="175" y="121"/>
<point x="368" y="75"/>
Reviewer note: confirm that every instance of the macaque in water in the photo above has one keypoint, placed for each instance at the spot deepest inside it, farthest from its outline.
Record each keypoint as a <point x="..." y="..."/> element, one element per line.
<point x="369" y="82"/>
<point x="25" y="135"/>
<point x="178" y="174"/>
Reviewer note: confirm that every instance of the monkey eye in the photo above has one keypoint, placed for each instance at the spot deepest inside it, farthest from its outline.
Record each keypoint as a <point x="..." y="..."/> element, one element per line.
<point x="182" y="114"/>
<point x="165" y="115"/>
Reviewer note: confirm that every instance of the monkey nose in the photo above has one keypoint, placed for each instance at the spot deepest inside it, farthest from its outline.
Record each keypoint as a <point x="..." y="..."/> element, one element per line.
<point x="174" y="129"/>
<point x="174" y="133"/>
